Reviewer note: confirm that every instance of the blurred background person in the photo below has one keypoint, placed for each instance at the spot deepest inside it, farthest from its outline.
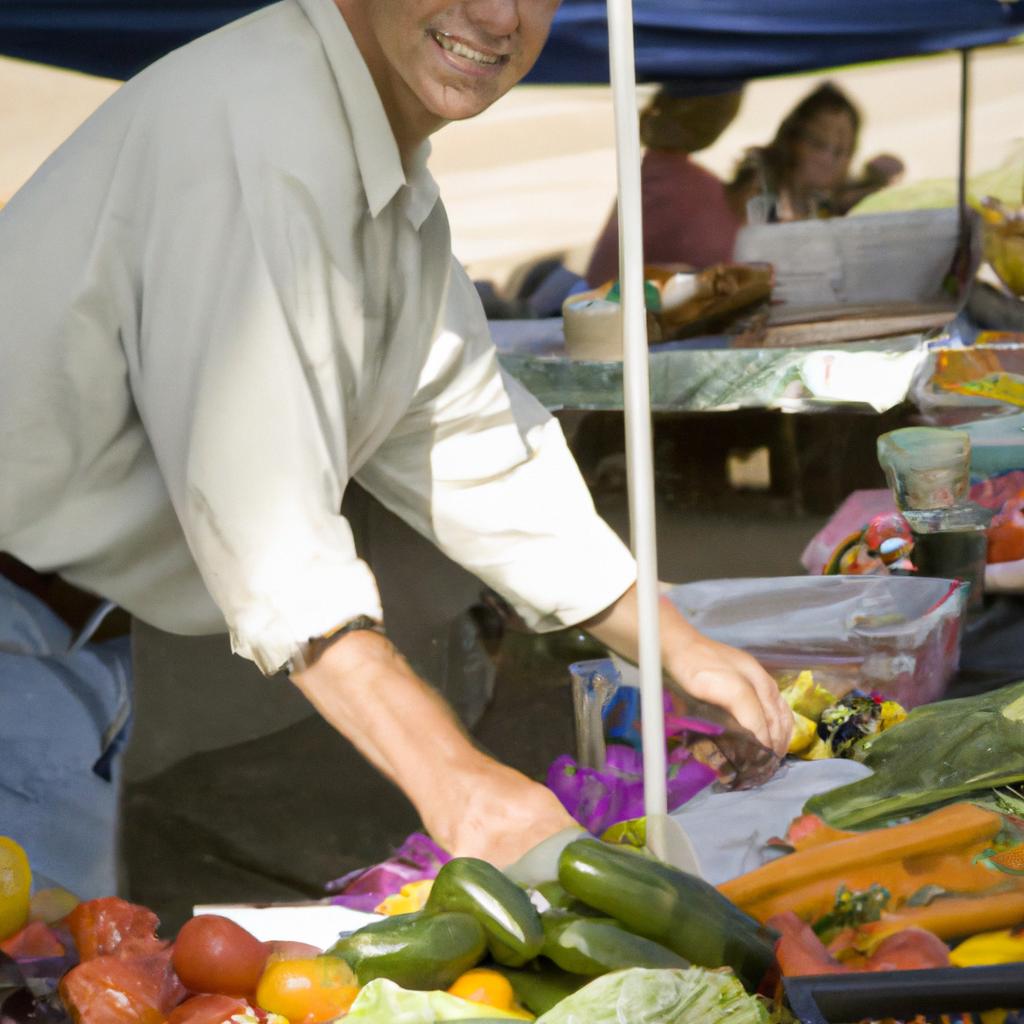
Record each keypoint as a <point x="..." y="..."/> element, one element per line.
<point x="804" y="171"/>
<point x="878" y="173"/>
<point x="688" y="217"/>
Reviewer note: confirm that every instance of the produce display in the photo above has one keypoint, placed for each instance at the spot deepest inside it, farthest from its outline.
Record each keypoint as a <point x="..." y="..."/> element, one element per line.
<point x="627" y="932"/>
<point x="827" y="726"/>
<point x="918" y="867"/>
<point x="849" y="894"/>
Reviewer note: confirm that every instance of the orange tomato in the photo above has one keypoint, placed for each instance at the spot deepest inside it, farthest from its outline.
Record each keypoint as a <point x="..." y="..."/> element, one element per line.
<point x="489" y="988"/>
<point x="307" y="991"/>
<point x="483" y="986"/>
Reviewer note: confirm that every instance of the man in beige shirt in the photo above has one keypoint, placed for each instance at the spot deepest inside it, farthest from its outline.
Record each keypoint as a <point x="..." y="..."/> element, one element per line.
<point x="230" y="293"/>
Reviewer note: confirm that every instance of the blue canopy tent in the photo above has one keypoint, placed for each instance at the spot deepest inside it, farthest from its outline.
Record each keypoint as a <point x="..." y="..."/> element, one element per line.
<point x="708" y="44"/>
<point x="727" y="40"/>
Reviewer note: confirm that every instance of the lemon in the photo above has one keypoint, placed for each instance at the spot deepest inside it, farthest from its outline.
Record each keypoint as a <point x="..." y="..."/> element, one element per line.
<point x="15" y="887"/>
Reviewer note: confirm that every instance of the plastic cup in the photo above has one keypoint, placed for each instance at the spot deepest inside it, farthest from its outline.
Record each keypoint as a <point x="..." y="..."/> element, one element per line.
<point x="926" y="467"/>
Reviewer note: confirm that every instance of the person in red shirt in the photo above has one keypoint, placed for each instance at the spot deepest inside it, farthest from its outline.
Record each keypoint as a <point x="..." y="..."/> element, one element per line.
<point x="688" y="216"/>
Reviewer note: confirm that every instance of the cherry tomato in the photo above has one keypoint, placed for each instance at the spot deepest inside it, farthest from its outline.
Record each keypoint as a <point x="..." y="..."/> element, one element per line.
<point x="307" y="991"/>
<point x="207" y="1009"/>
<point x="214" y="955"/>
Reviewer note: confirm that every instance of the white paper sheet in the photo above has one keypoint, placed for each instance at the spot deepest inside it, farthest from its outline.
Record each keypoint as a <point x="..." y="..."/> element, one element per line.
<point x="319" y="924"/>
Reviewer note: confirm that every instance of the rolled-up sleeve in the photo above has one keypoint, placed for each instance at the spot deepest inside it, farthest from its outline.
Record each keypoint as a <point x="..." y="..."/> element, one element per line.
<point x="239" y="382"/>
<point x="480" y="468"/>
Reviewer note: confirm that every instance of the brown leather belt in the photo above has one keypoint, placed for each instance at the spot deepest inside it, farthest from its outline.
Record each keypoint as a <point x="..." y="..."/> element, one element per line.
<point x="73" y="606"/>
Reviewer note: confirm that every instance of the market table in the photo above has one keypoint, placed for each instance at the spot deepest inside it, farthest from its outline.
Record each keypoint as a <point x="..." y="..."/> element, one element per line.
<point x="928" y="369"/>
<point x="705" y="375"/>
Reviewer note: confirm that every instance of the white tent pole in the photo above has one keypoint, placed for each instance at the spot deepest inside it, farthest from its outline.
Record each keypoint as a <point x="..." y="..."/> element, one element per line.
<point x="637" y="408"/>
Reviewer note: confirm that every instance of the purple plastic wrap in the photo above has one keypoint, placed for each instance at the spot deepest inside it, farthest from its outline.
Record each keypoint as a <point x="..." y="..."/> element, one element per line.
<point x="598" y="799"/>
<point x="417" y="859"/>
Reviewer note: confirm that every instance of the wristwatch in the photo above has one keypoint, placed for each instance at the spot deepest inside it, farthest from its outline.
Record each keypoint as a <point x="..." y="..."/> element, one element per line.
<point x="316" y="645"/>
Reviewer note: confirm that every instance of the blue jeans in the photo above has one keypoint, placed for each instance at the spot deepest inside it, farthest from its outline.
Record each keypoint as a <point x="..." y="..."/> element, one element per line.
<point x="64" y="721"/>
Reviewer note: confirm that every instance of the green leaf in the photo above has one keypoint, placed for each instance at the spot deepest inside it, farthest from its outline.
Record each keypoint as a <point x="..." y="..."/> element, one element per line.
<point x="950" y="750"/>
<point x="851" y="909"/>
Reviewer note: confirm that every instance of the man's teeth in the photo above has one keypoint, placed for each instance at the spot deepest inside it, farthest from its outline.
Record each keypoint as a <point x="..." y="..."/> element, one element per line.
<point x="461" y="50"/>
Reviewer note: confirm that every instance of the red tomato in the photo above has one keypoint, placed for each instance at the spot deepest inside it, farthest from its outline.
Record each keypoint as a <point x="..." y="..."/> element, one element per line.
<point x="115" y="990"/>
<point x="912" y="949"/>
<point x="113" y="927"/>
<point x="799" y="951"/>
<point x="213" y="954"/>
<point x="207" y="1009"/>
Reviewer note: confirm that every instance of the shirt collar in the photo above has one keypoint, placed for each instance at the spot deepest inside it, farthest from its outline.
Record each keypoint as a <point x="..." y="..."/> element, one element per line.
<point x="377" y="156"/>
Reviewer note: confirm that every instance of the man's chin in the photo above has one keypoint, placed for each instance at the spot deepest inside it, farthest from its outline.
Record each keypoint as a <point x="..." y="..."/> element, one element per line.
<point x="458" y="105"/>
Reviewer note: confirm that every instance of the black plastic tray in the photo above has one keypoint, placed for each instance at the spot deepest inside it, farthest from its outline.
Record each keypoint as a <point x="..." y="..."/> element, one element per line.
<point x="847" y="998"/>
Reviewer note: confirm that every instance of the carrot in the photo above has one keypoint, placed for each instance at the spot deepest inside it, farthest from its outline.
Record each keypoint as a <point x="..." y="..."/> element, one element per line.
<point x="948" y="829"/>
<point x="948" y="917"/>
<point x="953" y="871"/>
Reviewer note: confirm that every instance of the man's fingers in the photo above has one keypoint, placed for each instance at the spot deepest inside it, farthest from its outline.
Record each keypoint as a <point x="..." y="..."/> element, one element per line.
<point x="737" y="695"/>
<point x="777" y="712"/>
<point x="752" y="697"/>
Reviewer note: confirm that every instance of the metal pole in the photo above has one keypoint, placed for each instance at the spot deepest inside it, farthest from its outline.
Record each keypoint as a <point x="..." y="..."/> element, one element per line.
<point x="637" y="411"/>
<point x="965" y="93"/>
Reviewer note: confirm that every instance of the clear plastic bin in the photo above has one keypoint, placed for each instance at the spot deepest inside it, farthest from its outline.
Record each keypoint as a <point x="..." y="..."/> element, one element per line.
<point x="898" y="635"/>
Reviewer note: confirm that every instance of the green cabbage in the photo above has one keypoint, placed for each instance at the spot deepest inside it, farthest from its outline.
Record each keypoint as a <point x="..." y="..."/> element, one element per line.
<point x="666" y="996"/>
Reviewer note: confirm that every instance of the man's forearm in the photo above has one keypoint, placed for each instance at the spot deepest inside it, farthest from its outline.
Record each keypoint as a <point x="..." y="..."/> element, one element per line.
<point x="365" y="689"/>
<point x="616" y="627"/>
<point x="471" y="804"/>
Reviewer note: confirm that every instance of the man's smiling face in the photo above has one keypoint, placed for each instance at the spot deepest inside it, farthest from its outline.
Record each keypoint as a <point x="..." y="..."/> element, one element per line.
<point x="447" y="61"/>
